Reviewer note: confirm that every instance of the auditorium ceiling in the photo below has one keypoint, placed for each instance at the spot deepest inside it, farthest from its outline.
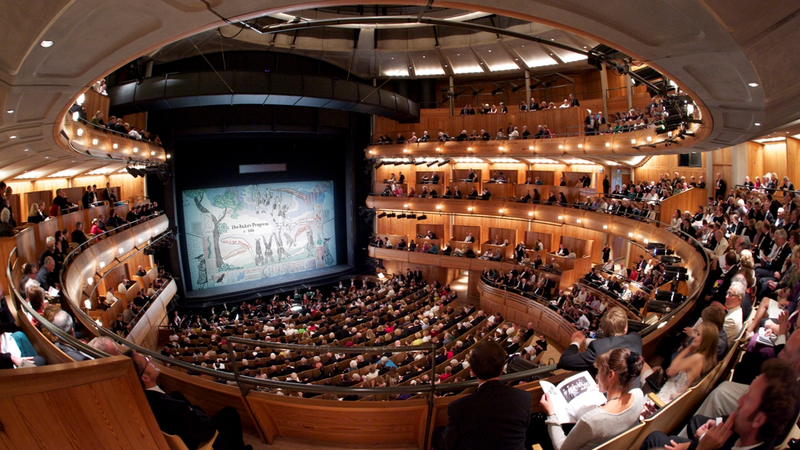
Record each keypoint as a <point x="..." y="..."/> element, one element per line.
<point x="735" y="57"/>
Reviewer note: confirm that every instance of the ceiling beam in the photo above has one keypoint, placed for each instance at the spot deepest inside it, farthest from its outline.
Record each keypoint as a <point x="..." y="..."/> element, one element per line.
<point x="285" y="27"/>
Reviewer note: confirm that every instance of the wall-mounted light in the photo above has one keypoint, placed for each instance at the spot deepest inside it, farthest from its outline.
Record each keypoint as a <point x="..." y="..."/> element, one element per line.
<point x="115" y="146"/>
<point x="579" y="220"/>
<point x="530" y="214"/>
<point x="608" y="144"/>
<point x="501" y="211"/>
<point x="469" y="209"/>
<point x="630" y="235"/>
<point x="80" y="132"/>
<point x="95" y="141"/>
<point x="605" y="227"/>
<point x="439" y="207"/>
<point x="560" y="217"/>
<point x="90" y="281"/>
<point x="135" y="149"/>
<point x="87" y="304"/>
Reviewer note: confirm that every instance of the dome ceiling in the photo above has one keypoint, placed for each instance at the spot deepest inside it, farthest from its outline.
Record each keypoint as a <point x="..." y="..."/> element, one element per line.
<point x="399" y="41"/>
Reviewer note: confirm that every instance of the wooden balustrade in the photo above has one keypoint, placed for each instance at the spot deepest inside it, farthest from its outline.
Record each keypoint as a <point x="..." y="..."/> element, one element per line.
<point x="559" y="121"/>
<point x="83" y="136"/>
<point x="89" y="404"/>
<point x="631" y="143"/>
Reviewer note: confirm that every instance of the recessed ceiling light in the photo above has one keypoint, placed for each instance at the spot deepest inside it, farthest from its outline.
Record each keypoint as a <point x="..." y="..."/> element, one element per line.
<point x="490" y="51"/>
<point x="551" y="54"/>
<point x="523" y="46"/>
<point x="46" y="44"/>
<point x="752" y="84"/>
<point x="13" y="136"/>
<point x="10" y="111"/>
<point x="46" y="157"/>
<point x="552" y="39"/>
<point x="458" y="54"/>
<point x="758" y="124"/>
<point x="445" y="65"/>
<point x="27" y="149"/>
<point x="516" y="59"/>
<point x="423" y="56"/>
<point x="584" y="46"/>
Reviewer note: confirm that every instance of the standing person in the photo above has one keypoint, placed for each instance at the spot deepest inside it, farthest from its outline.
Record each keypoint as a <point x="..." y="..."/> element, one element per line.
<point x="606" y="253"/>
<point x="606" y="186"/>
<point x="720" y="187"/>
<point x="495" y="416"/>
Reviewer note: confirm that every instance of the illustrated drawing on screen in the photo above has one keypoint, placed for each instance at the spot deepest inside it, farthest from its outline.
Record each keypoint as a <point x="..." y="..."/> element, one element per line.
<point x="258" y="232"/>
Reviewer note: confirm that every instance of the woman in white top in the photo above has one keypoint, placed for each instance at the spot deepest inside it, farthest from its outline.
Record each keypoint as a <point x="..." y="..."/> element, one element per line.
<point x="694" y="361"/>
<point x="675" y="223"/>
<point x="617" y="372"/>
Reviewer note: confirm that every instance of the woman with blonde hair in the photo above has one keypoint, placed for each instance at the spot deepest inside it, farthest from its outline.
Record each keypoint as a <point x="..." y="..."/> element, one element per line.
<point x="694" y="361"/>
<point x="747" y="267"/>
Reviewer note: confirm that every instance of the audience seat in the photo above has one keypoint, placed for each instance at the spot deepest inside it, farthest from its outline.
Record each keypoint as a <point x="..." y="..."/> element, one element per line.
<point x="176" y="443"/>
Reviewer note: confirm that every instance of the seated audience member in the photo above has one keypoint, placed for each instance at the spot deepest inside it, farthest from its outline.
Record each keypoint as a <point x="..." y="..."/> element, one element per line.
<point x="36" y="215"/>
<point x="733" y="306"/>
<point x="496" y="416"/>
<point x="175" y="415"/>
<point x="97" y="229"/>
<point x="692" y="363"/>
<point x="723" y="399"/>
<point x="758" y="423"/>
<point x="617" y="376"/>
<point x="63" y="321"/>
<point x="29" y="275"/>
<point x="78" y="236"/>
<point x="614" y="326"/>
<point x="46" y="277"/>
<point x="131" y="215"/>
<point x="140" y="272"/>
<point x="6" y="228"/>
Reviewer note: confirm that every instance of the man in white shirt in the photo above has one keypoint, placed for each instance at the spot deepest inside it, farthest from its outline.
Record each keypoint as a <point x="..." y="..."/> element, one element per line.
<point x="733" y="306"/>
<point x="583" y="321"/>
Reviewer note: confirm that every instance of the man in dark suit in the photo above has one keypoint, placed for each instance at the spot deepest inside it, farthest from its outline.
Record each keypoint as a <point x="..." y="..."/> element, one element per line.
<point x="614" y="325"/>
<point x="760" y="419"/>
<point x="175" y="415"/>
<point x="496" y="416"/>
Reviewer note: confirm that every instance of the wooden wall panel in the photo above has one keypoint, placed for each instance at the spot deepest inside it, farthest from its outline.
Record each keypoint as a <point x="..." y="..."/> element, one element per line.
<point x="94" y="102"/>
<point x="792" y="152"/>
<point x="774" y="160"/>
<point x="90" y="404"/>
<point x="661" y="164"/>
<point x="755" y="161"/>
<point x="559" y="121"/>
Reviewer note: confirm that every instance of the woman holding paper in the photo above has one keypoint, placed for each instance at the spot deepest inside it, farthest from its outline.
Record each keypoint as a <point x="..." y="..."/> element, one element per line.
<point x="617" y="372"/>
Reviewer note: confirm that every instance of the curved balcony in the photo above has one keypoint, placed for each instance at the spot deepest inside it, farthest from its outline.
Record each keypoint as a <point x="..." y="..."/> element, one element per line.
<point x="571" y="220"/>
<point x="87" y="139"/>
<point x="631" y="144"/>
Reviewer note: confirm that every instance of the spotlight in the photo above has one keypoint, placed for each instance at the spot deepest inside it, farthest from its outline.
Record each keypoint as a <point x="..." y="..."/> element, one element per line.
<point x="422" y="217"/>
<point x="432" y="163"/>
<point x="444" y="162"/>
<point x="411" y="216"/>
<point x="381" y="215"/>
<point x="498" y="90"/>
<point x="419" y="162"/>
<point x="391" y="215"/>
<point x="401" y="216"/>
<point x="380" y="163"/>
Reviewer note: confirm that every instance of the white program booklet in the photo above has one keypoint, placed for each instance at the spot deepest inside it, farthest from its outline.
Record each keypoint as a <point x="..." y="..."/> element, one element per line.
<point x="574" y="396"/>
